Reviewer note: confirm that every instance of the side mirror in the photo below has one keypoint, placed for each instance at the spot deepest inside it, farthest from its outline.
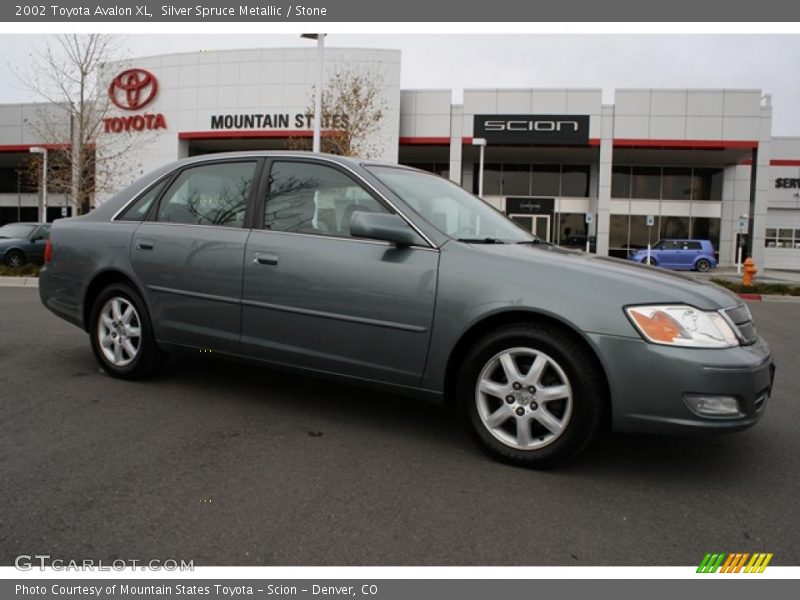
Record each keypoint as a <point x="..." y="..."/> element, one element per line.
<point x="384" y="227"/>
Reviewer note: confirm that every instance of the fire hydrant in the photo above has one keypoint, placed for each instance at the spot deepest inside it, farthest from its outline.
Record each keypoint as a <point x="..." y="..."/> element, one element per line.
<point x="748" y="272"/>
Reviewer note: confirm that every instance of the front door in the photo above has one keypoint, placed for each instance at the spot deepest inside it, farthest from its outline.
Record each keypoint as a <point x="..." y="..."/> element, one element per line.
<point x="314" y="297"/>
<point x="538" y="225"/>
<point x="189" y="255"/>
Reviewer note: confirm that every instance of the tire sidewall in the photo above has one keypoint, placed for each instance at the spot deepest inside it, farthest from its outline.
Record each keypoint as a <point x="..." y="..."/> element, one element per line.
<point x="586" y="404"/>
<point x="703" y="265"/>
<point x="14" y="253"/>
<point x="147" y="345"/>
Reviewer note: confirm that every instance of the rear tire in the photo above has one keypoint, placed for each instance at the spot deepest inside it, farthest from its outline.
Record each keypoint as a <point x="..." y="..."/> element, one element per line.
<point x="702" y="265"/>
<point x="121" y="334"/>
<point x="15" y="259"/>
<point x="531" y="394"/>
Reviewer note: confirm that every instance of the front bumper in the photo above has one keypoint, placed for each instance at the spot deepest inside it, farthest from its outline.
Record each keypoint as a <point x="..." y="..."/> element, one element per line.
<point x="648" y="383"/>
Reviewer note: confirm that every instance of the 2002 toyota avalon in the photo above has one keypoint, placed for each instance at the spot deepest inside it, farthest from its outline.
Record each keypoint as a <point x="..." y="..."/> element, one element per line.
<point x="389" y="275"/>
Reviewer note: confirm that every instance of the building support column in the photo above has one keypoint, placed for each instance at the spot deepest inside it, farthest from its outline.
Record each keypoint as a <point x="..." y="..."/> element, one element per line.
<point x="456" y="142"/>
<point x="603" y="205"/>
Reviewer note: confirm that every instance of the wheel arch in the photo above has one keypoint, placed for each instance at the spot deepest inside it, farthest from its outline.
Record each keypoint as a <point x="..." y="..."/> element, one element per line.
<point x="99" y="282"/>
<point x="512" y="317"/>
<point x="8" y="251"/>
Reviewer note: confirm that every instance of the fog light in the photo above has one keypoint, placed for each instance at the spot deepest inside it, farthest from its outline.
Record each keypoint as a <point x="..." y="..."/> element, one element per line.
<point x="713" y="406"/>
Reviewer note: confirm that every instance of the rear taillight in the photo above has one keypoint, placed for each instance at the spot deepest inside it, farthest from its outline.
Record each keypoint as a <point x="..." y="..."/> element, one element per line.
<point x="48" y="251"/>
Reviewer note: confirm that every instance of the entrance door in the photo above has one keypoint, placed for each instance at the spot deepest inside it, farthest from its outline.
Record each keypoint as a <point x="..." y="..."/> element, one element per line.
<point x="539" y="225"/>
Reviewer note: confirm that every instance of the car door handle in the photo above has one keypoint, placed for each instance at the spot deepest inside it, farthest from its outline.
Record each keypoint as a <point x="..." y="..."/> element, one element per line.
<point x="263" y="258"/>
<point x="144" y="245"/>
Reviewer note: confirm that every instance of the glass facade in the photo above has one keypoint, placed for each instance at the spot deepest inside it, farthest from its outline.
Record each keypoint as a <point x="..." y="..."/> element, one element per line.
<point x="666" y="183"/>
<point x="516" y="179"/>
<point x="630" y="232"/>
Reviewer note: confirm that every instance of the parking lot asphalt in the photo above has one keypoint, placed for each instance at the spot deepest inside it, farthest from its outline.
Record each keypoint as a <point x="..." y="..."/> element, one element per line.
<point x="230" y="464"/>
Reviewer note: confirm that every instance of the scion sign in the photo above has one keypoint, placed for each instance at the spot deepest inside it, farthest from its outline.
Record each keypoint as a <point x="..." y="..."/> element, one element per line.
<point x="549" y="130"/>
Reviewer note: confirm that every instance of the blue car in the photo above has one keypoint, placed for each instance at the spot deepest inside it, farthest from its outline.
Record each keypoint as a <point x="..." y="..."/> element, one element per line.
<point x="682" y="255"/>
<point x="22" y="243"/>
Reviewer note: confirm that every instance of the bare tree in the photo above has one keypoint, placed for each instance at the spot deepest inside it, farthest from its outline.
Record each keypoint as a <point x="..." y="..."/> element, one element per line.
<point x="66" y="75"/>
<point x="353" y="108"/>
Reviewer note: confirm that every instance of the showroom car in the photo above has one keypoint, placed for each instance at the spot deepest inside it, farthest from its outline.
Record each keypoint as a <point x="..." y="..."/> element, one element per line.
<point x="385" y="275"/>
<point x="22" y="243"/>
<point x="681" y="255"/>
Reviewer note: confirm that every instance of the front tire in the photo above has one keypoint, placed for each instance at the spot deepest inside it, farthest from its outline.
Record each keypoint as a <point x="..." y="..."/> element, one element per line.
<point x="121" y="334"/>
<point x="531" y="394"/>
<point x="649" y="261"/>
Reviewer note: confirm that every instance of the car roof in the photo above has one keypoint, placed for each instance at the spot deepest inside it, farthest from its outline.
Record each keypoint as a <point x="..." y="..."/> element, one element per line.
<point x="348" y="160"/>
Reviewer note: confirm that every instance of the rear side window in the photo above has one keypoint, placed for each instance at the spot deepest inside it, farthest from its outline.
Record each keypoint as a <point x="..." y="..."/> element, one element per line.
<point x="694" y="245"/>
<point x="214" y="194"/>
<point x="138" y="210"/>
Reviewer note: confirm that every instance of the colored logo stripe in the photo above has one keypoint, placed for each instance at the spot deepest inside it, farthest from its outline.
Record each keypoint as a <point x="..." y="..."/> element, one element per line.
<point x="734" y="562"/>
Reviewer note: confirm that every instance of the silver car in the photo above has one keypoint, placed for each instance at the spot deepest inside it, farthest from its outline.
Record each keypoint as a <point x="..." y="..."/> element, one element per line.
<point x="387" y="275"/>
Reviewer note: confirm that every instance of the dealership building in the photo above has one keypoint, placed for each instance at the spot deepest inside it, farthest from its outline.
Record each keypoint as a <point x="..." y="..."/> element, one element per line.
<point x="655" y="163"/>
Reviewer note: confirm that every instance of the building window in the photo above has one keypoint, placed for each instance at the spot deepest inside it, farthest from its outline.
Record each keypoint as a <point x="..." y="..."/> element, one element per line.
<point x="621" y="182"/>
<point x="575" y="181"/>
<point x="706" y="229"/>
<point x="572" y="230"/>
<point x="667" y="183"/>
<point x="674" y="227"/>
<point x="516" y="180"/>
<point x="492" y="180"/>
<point x="677" y="184"/>
<point x="782" y="238"/>
<point x="707" y="184"/>
<point x="546" y="180"/>
<point x="646" y="182"/>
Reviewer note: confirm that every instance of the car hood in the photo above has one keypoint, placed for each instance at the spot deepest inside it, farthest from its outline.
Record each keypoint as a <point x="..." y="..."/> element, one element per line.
<point x="630" y="282"/>
<point x="5" y="241"/>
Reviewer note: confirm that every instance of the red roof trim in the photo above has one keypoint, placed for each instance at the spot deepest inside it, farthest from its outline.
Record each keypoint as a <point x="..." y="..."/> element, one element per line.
<point x="706" y="144"/>
<point x="785" y="162"/>
<point x="27" y="147"/>
<point x="424" y="141"/>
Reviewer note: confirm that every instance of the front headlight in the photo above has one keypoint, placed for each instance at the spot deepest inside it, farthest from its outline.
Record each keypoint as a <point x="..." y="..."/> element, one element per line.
<point x="682" y="325"/>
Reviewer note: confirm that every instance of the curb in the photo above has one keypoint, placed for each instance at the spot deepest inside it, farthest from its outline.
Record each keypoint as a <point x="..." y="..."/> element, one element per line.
<point x="770" y="298"/>
<point x="19" y="282"/>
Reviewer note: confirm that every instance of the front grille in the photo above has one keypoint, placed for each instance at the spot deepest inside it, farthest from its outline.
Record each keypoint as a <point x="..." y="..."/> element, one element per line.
<point x="740" y="317"/>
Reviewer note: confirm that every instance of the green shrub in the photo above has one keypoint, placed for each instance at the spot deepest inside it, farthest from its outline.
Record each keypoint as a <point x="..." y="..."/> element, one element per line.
<point x="770" y="289"/>
<point x="28" y="270"/>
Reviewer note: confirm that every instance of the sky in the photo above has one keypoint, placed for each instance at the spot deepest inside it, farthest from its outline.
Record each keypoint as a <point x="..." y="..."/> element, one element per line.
<point x="768" y="62"/>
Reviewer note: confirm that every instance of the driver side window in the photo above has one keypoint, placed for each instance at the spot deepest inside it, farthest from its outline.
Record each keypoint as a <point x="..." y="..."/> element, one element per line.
<point x="316" y="199"/>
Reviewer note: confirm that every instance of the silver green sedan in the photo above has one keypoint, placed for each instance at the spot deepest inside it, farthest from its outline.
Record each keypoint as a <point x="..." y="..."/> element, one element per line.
<point x="389" y="276"/>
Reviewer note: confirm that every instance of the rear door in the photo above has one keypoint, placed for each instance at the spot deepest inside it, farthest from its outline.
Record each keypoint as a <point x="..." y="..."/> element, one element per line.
<point x="188" y="254"/>
<point x="315" y="297"/>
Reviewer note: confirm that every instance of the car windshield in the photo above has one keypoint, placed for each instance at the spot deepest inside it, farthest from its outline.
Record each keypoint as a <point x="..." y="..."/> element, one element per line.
<point x="16" y="230"/>
<point x="449" y="208"/>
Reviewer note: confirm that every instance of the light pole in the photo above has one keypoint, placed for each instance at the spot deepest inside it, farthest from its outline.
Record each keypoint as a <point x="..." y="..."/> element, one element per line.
<point x="481" y="143"/>
<point x="320" y="37"/>
<point x="43" y="206"/>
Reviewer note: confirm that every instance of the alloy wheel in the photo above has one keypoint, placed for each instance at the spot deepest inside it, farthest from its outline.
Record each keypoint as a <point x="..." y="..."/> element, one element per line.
<point x="524" y="398"/>
<point x="119" y="331"/>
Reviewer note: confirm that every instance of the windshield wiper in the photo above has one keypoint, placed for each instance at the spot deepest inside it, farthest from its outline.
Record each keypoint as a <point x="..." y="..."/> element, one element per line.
<point x="486" y="240"/>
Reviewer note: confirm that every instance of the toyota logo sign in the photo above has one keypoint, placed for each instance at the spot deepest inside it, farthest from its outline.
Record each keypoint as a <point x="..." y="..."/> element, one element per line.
<point x="133" y="89"/>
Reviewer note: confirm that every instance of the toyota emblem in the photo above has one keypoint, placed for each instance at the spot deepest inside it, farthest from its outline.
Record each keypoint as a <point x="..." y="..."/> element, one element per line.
<point x="133" y="89"/>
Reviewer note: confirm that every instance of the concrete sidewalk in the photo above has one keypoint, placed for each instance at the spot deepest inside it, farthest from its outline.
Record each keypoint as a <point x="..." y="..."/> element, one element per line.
<point x="19" y="282"/>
